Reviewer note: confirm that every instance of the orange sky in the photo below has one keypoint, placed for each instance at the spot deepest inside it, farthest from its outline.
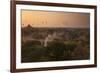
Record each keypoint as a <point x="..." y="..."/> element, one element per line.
<point x="55" y="19"/>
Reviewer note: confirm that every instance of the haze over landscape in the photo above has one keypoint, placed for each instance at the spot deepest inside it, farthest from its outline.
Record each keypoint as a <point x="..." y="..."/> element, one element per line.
<point x="55" y="19"/>
<point x="54" y="36"/>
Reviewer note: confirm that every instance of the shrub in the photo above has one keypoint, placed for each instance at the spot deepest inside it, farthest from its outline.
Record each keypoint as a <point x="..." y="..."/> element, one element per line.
<point x="56" y="49"/>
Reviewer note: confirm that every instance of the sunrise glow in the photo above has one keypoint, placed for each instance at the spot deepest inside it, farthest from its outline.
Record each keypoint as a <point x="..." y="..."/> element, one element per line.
<point x="54" y="19"/>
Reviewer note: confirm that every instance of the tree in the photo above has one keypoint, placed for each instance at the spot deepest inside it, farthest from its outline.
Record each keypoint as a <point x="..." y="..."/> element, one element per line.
<point x="56" y="49"/>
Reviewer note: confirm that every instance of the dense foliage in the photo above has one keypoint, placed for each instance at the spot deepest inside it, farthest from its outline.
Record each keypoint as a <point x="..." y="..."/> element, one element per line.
<point x="69" y="44"/>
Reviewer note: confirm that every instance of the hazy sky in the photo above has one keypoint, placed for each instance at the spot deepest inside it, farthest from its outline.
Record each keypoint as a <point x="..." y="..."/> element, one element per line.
<point x="55" y="19"/>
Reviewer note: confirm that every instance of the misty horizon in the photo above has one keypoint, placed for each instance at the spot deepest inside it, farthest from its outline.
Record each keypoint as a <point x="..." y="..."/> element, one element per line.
<point x="51" y="27"/>
<point x="55" y="19"/>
